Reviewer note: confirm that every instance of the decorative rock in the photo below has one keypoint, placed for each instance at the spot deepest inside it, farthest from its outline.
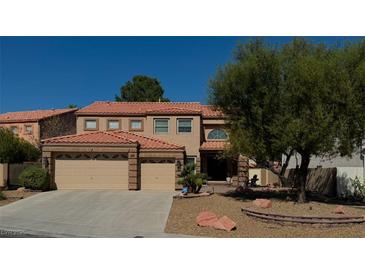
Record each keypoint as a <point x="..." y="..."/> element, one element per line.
<point x="206" y="218"/>
<point x="226" y="223"/>
<point x="339" y="210"/>
<point x="22" y="189"/>
<point x="209" y="219"/>
<point x="263" y="203"/>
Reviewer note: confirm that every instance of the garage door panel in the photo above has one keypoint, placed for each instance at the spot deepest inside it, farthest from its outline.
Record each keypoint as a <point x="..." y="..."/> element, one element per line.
<point x="158" y="176"/>
<point x="91" y="174"/>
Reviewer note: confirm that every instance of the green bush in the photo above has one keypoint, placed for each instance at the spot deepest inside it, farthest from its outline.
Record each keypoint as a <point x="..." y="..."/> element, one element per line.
<point x="16" y="150"/>
<point x="35" y="178"/>
<point x="359" y="189"/>
<point x="192" y="179"/>
<point x="2" y="196"/>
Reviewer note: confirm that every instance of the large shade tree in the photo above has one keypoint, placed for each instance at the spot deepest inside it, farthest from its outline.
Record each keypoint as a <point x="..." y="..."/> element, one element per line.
<point x="141" y="89"/>
<point x="299" y="97"/>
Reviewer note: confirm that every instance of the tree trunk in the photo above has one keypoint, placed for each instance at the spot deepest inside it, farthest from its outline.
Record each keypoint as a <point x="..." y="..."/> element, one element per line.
<point x="281" y="174"/>
<point x="302" y="177"/>
<point x="285" y="165"/>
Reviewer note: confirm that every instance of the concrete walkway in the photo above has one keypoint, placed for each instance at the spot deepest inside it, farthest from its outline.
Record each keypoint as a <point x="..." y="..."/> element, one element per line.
<point x="91" y="213"/>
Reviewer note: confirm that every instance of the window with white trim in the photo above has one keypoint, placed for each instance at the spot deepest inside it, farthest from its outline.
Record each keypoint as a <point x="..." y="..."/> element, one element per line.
<point x="113" y="124"/>
<point x="135" y="124"/>
<point x="184" y="125"/>
<point x="28" y="129"/>
<point x="91" y="124"/>
<point x="14" y="129"/>
<point x="217" y="134"/>
<point x="161" y="125"/>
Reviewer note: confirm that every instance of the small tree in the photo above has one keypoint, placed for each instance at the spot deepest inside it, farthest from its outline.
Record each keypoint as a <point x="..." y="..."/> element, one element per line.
<point x="192" y="179"/>
<point x="16" y="150"/>
<point x="141" y="89"/>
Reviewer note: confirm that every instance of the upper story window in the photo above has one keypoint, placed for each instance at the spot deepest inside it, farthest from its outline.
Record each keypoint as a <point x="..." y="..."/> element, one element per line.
<point x="161" y="125"/>
<point x="91" y="124"/>
<point x="28" y="129"/>
<point x="184" y="125"/>
<point x="217" y="134"/>
<point x="113" y="124"/>
<point x="136" y="125"/>
<point x="14" y="129"/>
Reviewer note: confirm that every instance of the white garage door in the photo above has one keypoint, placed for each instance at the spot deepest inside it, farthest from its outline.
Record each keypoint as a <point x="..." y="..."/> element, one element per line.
<point x="91" y="172"/>
<point x="158" y="176"/>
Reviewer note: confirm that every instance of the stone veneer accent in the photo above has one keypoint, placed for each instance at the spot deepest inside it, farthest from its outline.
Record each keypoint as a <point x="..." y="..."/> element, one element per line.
<point x="243" y="166"/>
<point x="198" y="165"/>
<point x="133" y="170"/>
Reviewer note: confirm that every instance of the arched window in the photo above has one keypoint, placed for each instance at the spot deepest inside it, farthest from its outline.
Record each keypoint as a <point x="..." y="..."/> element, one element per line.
<point x="217" y="134"/>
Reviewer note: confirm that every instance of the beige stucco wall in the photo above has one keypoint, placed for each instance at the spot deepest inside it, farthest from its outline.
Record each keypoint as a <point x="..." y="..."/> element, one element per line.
<point x="3" y="175"/>
<point x="32" y="138"/>
<point x="191" y="140"/>
<point x="265" y="176"/>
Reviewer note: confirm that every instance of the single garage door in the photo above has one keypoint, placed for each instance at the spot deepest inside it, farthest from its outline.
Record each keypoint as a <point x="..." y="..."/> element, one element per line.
<point x="158" y="176"/>
<point x="91" y="172"/>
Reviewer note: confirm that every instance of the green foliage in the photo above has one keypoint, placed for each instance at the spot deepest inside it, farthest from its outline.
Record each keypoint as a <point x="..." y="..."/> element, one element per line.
<point x="16" y="150"/>
<point x="141" y="89"/>
<point x="192" y="179"/>
<point x="358" y="189"/>
<point x="72" y="106"/>
<point x="302" y="96"/>
<point x="2" y="196"/>
<point x="34" y="177"/>
<point x="247" y="91"/>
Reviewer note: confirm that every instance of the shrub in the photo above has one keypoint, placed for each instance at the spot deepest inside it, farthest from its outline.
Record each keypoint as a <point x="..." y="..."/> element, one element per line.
<point x="35" y="178"/>
<point x="2" y="196"/>
<point x="16" y="150"/>
<point x="359" y="189"/>
<point x="192" y="179"/>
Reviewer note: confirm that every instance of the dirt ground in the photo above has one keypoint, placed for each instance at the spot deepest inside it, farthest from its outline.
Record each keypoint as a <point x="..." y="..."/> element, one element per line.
<point x="184" y="211"/>
<point x="13" y="196"/>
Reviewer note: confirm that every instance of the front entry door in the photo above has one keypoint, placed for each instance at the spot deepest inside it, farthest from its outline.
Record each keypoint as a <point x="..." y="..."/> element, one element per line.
<point x="217" y="168"/>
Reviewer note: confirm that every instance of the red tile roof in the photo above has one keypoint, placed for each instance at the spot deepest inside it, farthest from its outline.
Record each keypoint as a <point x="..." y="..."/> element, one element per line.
<point x="34" y="115"/>
<point x="211" y="112"/>
<point x="143" y="108"/>
<point x="113" y="137"/>
<point x="213" y="145"/>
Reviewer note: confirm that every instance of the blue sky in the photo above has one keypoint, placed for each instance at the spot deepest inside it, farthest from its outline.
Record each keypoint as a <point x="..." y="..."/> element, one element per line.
<point x="53" y="72"/>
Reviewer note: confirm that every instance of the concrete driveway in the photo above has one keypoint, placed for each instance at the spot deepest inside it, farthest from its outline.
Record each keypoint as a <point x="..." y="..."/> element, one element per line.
<point x="91" y="213"/>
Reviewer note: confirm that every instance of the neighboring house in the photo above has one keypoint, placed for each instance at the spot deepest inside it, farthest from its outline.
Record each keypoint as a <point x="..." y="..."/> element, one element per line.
<point x="40" y="124"/>
<point x="140" y="145"/>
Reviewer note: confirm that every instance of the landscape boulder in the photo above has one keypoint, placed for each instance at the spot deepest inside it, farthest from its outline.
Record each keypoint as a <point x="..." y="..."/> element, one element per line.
<point x="262" y="203"/>
<point x="209" y="219"/>
<point x="22" y="189"/>
<point x="339" y="210"/>
<point x="225" y="223"/>
<point x="206" y="218"/>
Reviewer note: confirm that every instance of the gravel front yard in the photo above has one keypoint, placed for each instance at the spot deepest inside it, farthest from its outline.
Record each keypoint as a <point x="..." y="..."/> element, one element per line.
<point x="13" y="196"/>
<point x="184" y="211"/>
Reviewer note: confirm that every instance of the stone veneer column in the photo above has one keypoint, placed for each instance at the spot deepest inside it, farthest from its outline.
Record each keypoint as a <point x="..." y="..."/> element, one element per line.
<point x="48" y="165"/>
<point x="243" y="166"/>
<point x="198" y="165"/>
<point x="179" y="165"/>
<point x="133" y="170"/>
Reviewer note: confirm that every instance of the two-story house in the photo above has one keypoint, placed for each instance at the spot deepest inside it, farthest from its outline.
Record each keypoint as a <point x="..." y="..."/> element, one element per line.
<point x="139" y="145"/>
<point x="40" y="124"/>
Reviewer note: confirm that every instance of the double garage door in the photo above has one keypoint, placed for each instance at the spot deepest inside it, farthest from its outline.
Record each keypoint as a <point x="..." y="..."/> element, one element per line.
<point x="109" y="171"/>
